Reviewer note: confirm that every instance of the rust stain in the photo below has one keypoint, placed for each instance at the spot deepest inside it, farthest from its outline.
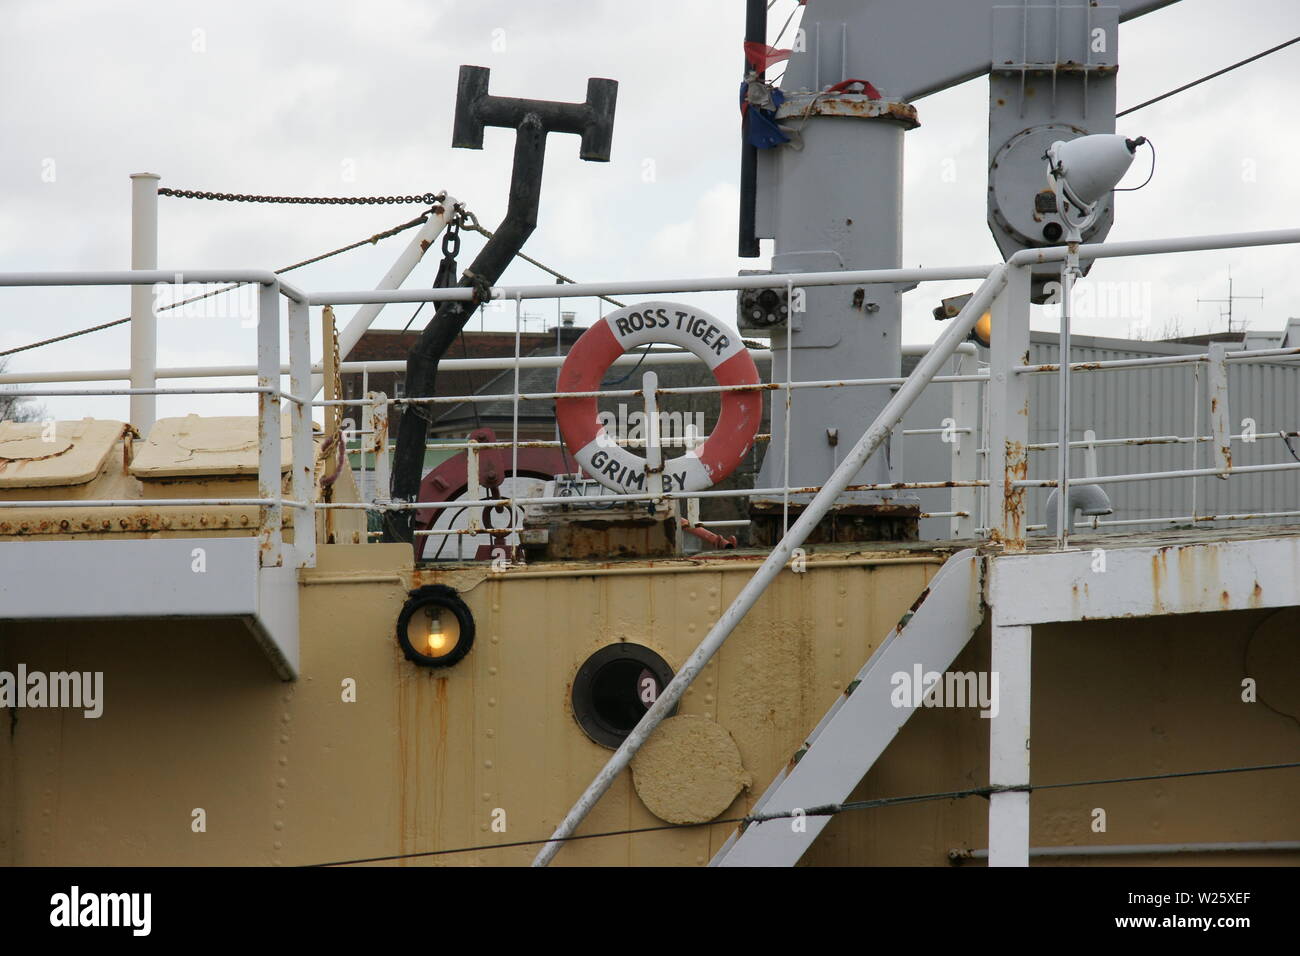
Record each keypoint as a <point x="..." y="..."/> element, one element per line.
<point x="796" y="758"/>
<point x="1013" y="498"/>
<point x="403" y="766"/>
<point x="438" y="771"/>
<point x="1159" y="570"/>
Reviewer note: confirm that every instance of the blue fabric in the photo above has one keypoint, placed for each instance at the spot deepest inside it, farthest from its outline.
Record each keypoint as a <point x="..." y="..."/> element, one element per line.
<point x="759" y="125"/>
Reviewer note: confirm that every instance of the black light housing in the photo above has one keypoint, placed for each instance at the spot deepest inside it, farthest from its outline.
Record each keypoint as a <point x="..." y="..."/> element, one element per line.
<point x="435" y="628"/>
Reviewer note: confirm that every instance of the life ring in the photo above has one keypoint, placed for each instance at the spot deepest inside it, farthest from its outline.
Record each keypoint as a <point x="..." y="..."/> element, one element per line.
<point x="717" y="344"/>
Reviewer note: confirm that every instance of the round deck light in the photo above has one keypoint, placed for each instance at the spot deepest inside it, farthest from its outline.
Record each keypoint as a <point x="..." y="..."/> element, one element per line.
<point x="435" y="628"/>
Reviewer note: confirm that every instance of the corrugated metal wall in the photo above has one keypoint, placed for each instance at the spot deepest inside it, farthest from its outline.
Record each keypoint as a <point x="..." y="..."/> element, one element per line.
<point x="1138" y="403"/>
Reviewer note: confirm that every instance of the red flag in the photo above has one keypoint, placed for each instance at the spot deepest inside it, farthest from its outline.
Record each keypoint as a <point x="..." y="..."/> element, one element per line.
<point x="761" y="56"/>
<point x="846" y="86"/>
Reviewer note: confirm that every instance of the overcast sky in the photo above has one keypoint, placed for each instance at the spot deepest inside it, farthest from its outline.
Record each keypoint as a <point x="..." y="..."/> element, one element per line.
<point x="356" y="98"/>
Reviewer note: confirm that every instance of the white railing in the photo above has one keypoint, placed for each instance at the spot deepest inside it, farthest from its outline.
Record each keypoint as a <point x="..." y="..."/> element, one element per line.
<point x="978" y="394"/>
<point x="269" y="500"/>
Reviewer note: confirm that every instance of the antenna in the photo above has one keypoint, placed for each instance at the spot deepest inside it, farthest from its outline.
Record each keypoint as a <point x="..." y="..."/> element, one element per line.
<point x="1230" y="299"/>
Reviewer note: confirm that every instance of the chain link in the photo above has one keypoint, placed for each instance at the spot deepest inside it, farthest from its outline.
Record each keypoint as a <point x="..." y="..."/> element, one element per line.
<point x="451" y="235"/>
<point x="427" y="199"/>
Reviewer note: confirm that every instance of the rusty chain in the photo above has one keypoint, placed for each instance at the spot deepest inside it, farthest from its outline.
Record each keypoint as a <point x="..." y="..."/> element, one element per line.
<point x="427" y="199"/>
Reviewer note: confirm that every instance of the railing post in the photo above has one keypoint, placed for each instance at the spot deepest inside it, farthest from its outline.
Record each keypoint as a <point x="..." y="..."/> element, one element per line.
<point x="269" y="483"/>
<point x="1220" y="419"/>
<point x="1008" y="399"/>
<point x="654" y="453"/>
<point x="367" y="427"/>
<point x="897" y="472"/>
<point x="377" y="412"/>
<point x="692" y="441"/>
<point x="144" y="321"/>
<point x="965" y="446"/>
<point x="473" y="490"/>
<point x="1008" y="461"/>
<point x="1090" y="467"/>
<point x="1064" y="510"/>
<point x="1196" y="430"/>
<point x="303" y="483"/>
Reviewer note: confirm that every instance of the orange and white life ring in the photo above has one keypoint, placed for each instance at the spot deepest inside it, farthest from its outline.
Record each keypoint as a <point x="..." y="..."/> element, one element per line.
<point x="717" y="344"/>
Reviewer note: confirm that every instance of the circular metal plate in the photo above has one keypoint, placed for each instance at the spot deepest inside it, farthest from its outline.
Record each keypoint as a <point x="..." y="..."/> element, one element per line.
<point x="690" y="771"/>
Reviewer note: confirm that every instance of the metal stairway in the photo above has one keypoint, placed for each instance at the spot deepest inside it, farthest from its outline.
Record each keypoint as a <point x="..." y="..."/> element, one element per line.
<point x="862" y="721"/>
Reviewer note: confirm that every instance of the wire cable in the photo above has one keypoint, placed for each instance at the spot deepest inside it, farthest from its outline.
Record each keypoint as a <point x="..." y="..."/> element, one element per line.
<point x="1208" y="76"/>
<point x="786" y="25"/>
<point x="472" y="223"/>
<point x="833" y="809"/>
<point x="1150" y="175"/>
<point x="830" y="809"/>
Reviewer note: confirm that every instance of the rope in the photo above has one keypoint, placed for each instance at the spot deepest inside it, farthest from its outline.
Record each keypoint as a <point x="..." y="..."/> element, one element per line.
<point x="372" y="240"/>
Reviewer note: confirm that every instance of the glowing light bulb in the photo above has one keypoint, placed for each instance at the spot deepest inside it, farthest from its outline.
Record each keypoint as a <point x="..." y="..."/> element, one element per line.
<point x="437" y="637"/>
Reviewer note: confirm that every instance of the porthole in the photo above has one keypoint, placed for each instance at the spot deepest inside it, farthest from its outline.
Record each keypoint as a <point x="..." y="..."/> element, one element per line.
<point x="614" y="688"/>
